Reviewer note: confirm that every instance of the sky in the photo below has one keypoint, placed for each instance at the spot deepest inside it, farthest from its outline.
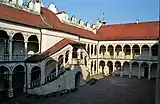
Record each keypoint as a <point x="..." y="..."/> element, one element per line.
<point x="115" y="11"/>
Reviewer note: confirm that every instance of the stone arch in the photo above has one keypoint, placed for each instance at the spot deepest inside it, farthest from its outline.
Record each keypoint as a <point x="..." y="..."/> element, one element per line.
<point x="78" y="78"/>
<point x="18" y="80"/>
<point x="92" y="49"/>
<point x="145" y="52"/>
<point x="102" y="65"/>
<point x="4" y="81"/>
<point x="66" y="56"/>
<point x="144" y="70"/>
<point x="127" y="50"/>
<point x="18" y="46"/>
<point x="95" y="50"/>
<point x="33" y="44"/>
<point x="153" y="71"/>
<point x="126" y="68"/>
<point x="111" y="50"/>
<point x="135" y="69"/>
<point x="118" y="49"/>
<point x="154" y="50"/>
<point x="50" y="67"/>
<point x="4" y="42"/>
<point x="110" y="66"/>
<point x="102" y="49"/>
<point x="135" y="50"/>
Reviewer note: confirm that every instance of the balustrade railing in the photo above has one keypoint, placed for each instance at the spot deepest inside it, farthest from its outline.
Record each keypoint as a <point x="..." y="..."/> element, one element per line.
<point x="4" y="57"/>
<point x="35" y="83"/>
<point x="18" y="57"/>
<point x="50" y="78"/>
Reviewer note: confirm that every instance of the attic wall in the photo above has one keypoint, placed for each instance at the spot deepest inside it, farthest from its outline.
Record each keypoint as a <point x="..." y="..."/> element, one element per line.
<point x="48" y="41"/>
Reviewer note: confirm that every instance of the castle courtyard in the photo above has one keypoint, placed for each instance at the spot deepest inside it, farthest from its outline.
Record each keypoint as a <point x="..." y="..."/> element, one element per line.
<point x="109" y="90"/>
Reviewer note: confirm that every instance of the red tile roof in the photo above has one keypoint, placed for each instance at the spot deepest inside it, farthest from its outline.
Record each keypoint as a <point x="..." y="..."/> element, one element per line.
<point x="131" y="31"/>
<point x="49" y="20"/>
<point x="55" y="48"/>
<point x="20" y="16"/>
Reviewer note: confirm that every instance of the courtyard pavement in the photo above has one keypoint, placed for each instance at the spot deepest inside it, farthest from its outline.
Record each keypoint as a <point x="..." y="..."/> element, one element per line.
<point x="109" y="90"/>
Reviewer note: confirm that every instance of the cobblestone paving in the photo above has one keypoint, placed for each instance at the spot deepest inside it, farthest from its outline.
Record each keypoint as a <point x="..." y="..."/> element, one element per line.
<point x="110" y="90"/>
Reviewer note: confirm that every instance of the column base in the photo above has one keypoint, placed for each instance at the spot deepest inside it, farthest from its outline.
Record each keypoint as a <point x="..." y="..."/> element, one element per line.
<point x="10" y="93"/>
<point x="121" y="74"/>
<point x="130" y="75"/>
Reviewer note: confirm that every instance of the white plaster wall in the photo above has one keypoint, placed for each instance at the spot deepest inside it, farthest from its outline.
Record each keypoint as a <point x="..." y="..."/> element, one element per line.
<point x="48" y="41"/>
<point x="17" y="27"/>
<point x="66" y="81"/>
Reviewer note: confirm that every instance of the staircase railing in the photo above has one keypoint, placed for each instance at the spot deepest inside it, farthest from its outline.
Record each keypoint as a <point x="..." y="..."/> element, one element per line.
<point x="35" y="83"/>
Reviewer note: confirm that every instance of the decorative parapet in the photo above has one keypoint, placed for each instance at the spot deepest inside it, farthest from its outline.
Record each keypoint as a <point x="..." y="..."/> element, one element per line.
<point x="65" y="18"/>
<point x="33" y="6"/>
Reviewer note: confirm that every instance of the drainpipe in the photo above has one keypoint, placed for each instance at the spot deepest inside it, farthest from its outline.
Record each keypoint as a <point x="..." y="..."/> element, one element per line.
<point x="40" y="40"/>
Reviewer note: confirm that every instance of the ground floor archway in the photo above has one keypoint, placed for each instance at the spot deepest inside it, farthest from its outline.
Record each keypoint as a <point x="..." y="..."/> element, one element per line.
<point x="110" y="66"/>
<point x="18" y="79"/>
<point x="4" y="82"/>
<point x="78" y="78"/>
<point x="144" y="72"/>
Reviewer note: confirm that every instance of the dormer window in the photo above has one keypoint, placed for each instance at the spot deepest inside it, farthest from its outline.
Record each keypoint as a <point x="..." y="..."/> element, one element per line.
<point x="81" y="22"/>
<point x="73" y="19"/>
